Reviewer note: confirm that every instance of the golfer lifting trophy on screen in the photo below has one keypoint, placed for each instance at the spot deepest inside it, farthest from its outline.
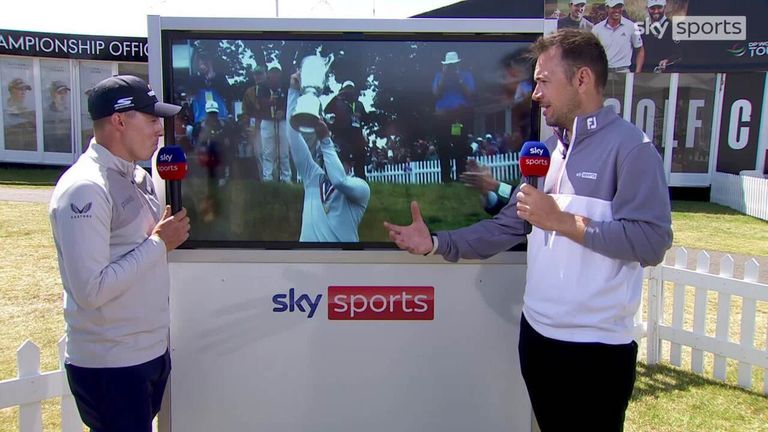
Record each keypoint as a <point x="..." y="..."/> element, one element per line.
<point x="314" y="70"/>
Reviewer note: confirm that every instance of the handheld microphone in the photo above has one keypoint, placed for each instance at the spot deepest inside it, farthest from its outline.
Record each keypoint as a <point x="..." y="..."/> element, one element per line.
<point x="172" y="167"/>
<point x="534" y="163"/>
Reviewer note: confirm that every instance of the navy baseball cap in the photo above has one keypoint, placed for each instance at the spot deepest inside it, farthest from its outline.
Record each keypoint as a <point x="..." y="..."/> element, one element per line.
<point x="123" y="93"/>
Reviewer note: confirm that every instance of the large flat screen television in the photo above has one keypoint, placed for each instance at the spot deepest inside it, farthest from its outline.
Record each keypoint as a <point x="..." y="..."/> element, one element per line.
<point x="407" y="113"/>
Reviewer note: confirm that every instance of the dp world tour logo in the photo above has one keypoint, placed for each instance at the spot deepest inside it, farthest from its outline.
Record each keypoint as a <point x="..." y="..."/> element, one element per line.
<point x="749" y="49"/>
<point x="80" y="213"/>
<point x="737" y="50"/>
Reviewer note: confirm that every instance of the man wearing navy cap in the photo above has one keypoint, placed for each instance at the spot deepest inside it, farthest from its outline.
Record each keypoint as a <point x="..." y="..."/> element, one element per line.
<point x="112" y="237"/>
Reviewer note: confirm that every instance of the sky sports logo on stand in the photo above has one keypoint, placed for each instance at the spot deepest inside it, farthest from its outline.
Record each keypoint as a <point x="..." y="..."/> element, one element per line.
<point x="697" y="28"/>
<point x="363" y="303"/>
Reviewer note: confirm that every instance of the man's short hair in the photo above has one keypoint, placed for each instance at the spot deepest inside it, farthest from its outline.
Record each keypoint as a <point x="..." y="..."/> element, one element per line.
<point x="578" y="48"/>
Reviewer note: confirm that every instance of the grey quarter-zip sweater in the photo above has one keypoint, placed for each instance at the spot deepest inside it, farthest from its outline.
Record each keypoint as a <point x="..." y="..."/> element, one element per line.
<point x="609" y="172"/>
<point x="114" y="270"/>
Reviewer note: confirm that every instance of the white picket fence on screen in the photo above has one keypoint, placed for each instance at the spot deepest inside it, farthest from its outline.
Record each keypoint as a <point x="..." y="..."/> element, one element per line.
<point x="504" y="167"/>
<point x="745" y="193"/>
<point x="729" y="291"/>
<point x="420" y="172"/>
<point x="31" y="387"/>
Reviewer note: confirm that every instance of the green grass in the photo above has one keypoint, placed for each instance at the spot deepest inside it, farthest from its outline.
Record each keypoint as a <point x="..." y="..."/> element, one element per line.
<point x="666" y="398"/>
<point x="30" y="297"/>
<point x="703" y="225"/>
<point x="442" y="207"/>
<point x="255" y="211"/>
<point x="29" y="176"/>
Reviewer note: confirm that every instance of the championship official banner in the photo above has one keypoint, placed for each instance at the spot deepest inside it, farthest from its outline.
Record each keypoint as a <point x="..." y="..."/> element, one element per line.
<point x="86" y="47"/>
<point x="740" y="125"/>
<point x="676" y="35"/>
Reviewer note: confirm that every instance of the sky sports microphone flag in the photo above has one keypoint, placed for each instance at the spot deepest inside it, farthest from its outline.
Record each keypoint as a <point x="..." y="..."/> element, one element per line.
<point x="534" y="163"/>
<point x="172" y="166"/>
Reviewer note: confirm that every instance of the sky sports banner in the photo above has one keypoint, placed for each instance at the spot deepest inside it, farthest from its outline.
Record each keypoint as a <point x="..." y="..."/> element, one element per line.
<point x="676" y="35"/>
<point x="362" y="303"/>
<point x="314" y="342"/>
<point x="61" y="45"/>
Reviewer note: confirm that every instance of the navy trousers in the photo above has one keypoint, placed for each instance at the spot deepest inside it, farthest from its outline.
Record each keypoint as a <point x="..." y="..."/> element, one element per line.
<point x="576" y="386"/>
<point x="123" y="399"/>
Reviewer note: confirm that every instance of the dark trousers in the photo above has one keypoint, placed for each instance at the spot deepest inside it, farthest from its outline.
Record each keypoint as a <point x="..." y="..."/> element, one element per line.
<point x="576" y="386"/>
<point x="451" y="145"/>
<point x="123" y="399"/>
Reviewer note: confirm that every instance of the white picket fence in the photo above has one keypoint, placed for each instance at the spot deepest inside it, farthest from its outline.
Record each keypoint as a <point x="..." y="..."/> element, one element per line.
<point x="31" y="387"/>
<point x="703" y="330"/>
<point x="504" y="167"/>
<point x="744" y="193"/>
<point x="661" y="319"/>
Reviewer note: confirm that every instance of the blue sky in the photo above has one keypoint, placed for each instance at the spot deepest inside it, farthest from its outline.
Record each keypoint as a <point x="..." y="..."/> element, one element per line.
<point x="100" y="17"/>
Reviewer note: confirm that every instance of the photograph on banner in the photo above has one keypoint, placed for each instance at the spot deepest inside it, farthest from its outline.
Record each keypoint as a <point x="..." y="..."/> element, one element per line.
<point x="57" y="106"/>
<point x="18" y="98"/>
<point x="91" y="73"/>
<point x="405" y="118"/>
<point x="671" y="35"/>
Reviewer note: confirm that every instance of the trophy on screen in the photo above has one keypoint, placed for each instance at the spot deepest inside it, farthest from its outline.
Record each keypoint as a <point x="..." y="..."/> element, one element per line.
<point x="314" y="70"/>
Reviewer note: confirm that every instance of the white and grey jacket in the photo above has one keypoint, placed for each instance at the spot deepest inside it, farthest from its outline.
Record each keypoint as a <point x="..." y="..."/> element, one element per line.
<point x="114" y="271"/>
<point x="610" y="173"/>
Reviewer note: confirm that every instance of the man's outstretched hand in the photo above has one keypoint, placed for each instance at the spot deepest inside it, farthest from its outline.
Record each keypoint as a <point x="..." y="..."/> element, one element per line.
<point x="415" y="238"/>
<point x="479" y="177"/>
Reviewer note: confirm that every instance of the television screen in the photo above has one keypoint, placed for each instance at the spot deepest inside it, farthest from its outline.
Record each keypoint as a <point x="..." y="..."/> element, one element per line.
<point x="415" y="116"/>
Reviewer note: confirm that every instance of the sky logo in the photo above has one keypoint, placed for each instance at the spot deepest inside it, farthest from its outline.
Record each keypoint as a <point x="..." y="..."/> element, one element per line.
<point x="290" y="303"/>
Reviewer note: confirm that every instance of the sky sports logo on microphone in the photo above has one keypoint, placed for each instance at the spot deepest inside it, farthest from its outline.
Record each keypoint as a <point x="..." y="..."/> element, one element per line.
<point x="363" y="303"/>
<point x="534" y="159"/>
<point x="171" y="163"/>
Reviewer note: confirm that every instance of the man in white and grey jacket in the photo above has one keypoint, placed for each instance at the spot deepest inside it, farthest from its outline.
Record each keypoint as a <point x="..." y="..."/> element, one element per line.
<point x="602" y="213"/>
<point x="112" y="237"/>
